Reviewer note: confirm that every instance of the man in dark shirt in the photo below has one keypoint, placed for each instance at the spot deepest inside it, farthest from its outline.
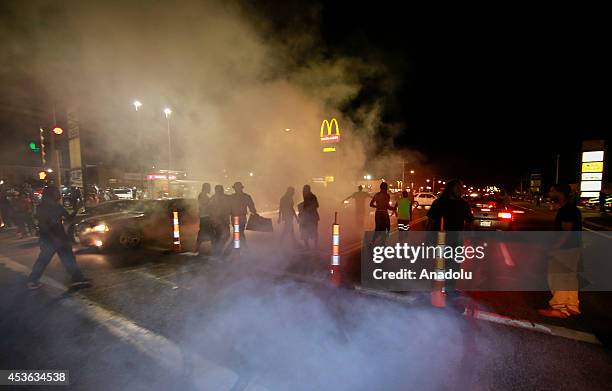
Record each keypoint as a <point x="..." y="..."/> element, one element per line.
<point x="564" y="256"/>
<point x="286" y="214"/>
<point x="205" y="232"/>
<point x="360" y="198"/>
<point x="219" y="211"/>
<point x="450" y="213"/>
<point x="240" y="202"/>
<point x="53" y="239"/>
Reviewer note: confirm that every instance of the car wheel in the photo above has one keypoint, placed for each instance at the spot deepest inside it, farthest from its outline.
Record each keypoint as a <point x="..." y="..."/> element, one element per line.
<point x="130" y="238"/>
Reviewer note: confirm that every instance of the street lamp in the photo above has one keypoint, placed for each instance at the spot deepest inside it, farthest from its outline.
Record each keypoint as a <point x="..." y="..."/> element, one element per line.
<point x="167" y="112"/>
<point x="137" y="104"/>
<point x="412" y="171"/>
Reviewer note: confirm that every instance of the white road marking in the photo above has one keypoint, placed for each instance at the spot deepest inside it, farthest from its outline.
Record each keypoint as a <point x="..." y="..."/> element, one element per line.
<point x="166" y="353"/>
<point x="506" y="254"/>
<point x="155" y="278"/>
<point x="598" y="233"/>
<point x="542" y="328"/>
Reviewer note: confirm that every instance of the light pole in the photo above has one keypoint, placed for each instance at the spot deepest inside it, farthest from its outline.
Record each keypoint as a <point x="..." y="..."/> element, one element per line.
<point x="139" y="158"/>
<point x="167" y="112"/>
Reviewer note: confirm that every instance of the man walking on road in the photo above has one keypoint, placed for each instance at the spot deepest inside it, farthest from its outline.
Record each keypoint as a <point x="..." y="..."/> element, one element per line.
<point x="450" y="213"/>
<point x="240" y="202"/>
<point x="564" y="256"/>
<point x="381" y="201"/>
<point x="205" y="232"/>
<point x="219" y="210"/>
<point x="53" y="239"/>
<point x="360" y="198"/>
<point x="286" y="215"/>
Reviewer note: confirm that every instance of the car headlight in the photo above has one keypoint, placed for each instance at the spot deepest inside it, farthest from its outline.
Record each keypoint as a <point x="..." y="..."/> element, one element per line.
<point x="100" y="228"/>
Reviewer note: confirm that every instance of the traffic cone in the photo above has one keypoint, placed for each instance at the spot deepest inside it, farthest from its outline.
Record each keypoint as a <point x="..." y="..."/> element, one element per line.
<point x="176" y="232"/>
<point x="236" y="237"/>
<point x="438" y="296"/>
<point x="335" y="274"/>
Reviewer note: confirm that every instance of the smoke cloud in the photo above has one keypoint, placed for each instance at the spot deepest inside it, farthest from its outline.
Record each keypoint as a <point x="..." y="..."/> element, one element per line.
<point x="235" y="84"/>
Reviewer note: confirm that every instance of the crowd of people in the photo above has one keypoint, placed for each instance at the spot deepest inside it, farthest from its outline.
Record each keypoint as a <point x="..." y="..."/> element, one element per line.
<point x="17" y="209"/>
<point x="217" y="210"/>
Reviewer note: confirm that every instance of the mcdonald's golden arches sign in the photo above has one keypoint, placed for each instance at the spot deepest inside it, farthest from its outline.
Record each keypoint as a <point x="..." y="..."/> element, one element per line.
<point x="327" y="131"/>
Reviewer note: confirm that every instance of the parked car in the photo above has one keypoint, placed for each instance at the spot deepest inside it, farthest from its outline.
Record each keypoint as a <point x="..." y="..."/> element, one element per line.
<point x="149" y="222"/>
<point x="424" y="199"/>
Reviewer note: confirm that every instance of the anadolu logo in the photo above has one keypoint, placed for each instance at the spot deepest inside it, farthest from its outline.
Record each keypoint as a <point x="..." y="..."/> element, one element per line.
<point x="328" y="126"/>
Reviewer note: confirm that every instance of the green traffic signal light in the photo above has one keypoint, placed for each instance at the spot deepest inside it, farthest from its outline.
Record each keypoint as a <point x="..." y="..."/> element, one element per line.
<point x="33" y="146"/>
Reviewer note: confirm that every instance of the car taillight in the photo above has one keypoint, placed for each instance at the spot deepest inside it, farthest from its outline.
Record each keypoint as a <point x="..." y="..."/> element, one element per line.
<point x="485" y="209"/>
<point x="504" y="215"/>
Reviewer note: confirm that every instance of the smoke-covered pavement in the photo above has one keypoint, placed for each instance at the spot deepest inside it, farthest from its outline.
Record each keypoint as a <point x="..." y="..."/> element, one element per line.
<point x="269" y="332"/>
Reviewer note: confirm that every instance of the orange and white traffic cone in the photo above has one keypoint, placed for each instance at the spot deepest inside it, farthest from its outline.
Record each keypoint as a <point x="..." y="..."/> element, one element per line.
<point x="236" y="237"/>
<point x="438" y="296"/>
<point x="176" y="232"/>
<point x="334" y="269"/>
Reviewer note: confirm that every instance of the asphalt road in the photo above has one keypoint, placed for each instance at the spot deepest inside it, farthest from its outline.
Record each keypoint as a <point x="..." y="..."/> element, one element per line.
<point x="269" y="321"/>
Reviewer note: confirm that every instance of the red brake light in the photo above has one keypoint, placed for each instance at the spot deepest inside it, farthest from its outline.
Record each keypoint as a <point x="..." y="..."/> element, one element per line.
<point x="504" y="215"/>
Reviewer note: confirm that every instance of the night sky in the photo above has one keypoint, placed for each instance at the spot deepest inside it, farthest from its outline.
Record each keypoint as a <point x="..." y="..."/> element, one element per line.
<point x="487" y="95"/>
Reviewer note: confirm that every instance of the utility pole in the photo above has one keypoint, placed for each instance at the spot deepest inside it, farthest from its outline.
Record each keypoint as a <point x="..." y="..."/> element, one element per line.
<point x="557" y="171"/>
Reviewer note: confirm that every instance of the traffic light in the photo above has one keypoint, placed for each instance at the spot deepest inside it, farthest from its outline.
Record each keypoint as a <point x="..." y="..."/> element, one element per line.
<point x="33" y="146"/>
<point x="57" y="130"/>
<point x="42" y="175"/>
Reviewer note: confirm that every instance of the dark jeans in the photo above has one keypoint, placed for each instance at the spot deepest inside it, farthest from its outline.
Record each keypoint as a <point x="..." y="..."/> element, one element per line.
<point x="66" y="256"/>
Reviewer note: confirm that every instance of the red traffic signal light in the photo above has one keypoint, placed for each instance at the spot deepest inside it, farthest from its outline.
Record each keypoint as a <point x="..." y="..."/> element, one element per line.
<point x="57" y="130"/>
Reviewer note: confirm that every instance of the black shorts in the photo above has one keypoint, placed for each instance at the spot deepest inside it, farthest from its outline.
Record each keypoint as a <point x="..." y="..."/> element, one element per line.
<point x="382" y="221"/>
<point x="206" y="229"/>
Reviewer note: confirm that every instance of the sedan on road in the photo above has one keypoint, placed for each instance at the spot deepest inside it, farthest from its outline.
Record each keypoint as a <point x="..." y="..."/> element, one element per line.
<point x="491" y="213"/>
<point x="149" y="222"/>
<point x="103" y="208"/>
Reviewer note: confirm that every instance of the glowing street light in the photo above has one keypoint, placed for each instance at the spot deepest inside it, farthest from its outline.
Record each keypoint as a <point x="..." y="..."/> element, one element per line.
<point x="137" y="104"/>
<point x="427" y="180"/>
<point x="167" y="112"/>
<point x="251" y="174"/>
<point x="412" y="171"/>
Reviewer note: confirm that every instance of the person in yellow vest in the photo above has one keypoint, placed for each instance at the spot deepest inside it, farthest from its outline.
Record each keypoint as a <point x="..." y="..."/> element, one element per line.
<point x="403" y="211"/>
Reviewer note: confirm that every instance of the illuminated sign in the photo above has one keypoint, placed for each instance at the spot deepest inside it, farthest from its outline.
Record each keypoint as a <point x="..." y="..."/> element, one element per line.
<point x="153" y="177"/>
<point x="329" y="179"/>
<point x="592" y="156"/>
<point x="329" y="149"/>
<point x="589" y="194"/>
<point x="590" y="186"/>
<point x="327" y="131"/>
<point x="591" y="176"/>
<point x="592" y="167"/>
